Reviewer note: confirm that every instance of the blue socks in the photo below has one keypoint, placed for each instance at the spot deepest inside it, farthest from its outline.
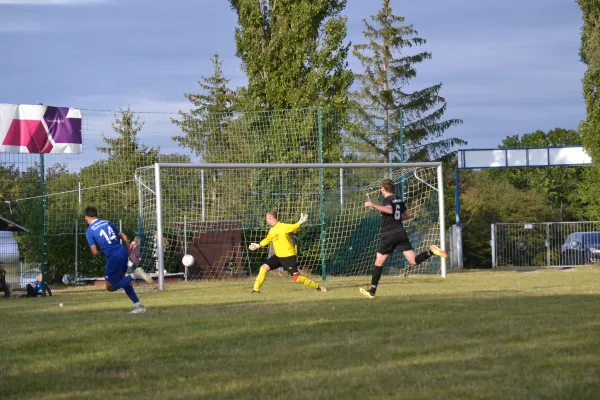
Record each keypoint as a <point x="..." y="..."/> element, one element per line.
<point x="126" y="285"/>
<point x="131" y="293"/>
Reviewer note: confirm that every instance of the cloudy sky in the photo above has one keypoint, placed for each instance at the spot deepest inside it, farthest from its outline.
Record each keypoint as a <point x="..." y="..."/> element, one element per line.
<point x="508" y="67"/>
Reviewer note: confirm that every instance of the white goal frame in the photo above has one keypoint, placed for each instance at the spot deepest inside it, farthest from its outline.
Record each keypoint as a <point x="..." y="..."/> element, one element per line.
<point x="158" y="193"/>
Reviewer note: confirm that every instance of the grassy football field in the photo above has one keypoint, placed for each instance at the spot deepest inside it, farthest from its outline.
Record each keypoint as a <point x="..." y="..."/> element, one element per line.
<point x="479" y="335"/>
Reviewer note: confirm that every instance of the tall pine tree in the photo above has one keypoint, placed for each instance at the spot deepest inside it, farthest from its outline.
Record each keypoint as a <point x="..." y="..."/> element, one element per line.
<point x="206" y="123"/>
<point x="126" y="147"/>
<point x="383" y="92"/>
<point x="125" y="154"/>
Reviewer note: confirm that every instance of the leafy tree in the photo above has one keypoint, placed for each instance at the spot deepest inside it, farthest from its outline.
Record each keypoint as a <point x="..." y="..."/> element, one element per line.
<point x="294" y="56"/>
<point x="382" y="93"/>
<point x="487" y="200"/>
<point x="517" y="194"/>
<point x="295" y="60"/>
<point x="25" y="185"/>
<point x="559" y="185"/>
<point x="590" y="55"/>
<point x="590" y="126"/>
<point x="293" y="52"/>
<point x="589" y="195"/>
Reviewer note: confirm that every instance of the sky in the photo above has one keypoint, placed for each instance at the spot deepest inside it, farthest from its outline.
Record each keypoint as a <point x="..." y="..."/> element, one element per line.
<point x="507" y="67"/>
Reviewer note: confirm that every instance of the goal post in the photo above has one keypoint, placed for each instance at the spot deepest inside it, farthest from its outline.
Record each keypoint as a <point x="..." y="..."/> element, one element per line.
<point x="214" y="211"/>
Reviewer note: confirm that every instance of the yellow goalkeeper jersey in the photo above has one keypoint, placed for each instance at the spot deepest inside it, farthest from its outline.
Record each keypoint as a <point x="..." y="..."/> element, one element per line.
<point x="282" y="242"/>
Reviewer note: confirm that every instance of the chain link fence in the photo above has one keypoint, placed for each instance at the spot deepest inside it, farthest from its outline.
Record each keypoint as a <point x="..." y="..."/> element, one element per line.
<point x="545" y="244"/>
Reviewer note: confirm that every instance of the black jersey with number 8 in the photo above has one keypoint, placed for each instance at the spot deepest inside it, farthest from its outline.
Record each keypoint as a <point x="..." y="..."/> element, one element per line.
<point x="392" y="223"/>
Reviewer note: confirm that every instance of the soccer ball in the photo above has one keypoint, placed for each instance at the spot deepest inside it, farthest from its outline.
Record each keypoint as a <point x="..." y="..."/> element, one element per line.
<point x="187" y="260"/>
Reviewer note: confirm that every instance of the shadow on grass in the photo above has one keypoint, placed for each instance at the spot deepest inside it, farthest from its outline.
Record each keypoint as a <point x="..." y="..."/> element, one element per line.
<point x="410" y="347"/>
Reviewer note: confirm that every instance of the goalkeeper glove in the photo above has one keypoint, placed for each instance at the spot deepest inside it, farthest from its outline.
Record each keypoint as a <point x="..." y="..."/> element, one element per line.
<point x="254" y="246"/>
<point x="303" y="218"/>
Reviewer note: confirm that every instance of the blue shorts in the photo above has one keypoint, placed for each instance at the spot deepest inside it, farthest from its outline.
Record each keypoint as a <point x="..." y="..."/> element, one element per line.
<point x="116" y="265"/>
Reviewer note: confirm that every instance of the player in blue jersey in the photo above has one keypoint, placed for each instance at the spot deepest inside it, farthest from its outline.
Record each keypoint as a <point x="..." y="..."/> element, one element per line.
<point x="105" y="239"/>
<point x="37" y="288"/>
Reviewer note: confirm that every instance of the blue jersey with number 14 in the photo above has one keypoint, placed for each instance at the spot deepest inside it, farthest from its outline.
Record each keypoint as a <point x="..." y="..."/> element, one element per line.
<point x="103" y="234"/>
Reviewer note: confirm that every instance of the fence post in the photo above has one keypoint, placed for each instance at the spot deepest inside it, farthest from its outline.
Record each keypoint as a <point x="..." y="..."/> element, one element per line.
<point x="459" y="244"/>
<point x="548" y="261"/>
<point x="79" y="196"/>
<point x="493" y="244"/>
<point x="453" y="246"/>
<point x="341" y="190"/>
<point x="43" y="218"/>
<point x="76" y="247"/>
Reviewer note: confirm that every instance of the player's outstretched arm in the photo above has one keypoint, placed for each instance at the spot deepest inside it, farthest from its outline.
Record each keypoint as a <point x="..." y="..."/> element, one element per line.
<point x="384" y="209"/>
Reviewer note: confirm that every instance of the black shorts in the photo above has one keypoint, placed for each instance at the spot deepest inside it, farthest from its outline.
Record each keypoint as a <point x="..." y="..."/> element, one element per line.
<point x="388" y="243"/>
<point x="289" y="264"/>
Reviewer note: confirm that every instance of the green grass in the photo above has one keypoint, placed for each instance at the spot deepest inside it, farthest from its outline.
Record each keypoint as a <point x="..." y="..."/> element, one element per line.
<point x="481" y="335"/>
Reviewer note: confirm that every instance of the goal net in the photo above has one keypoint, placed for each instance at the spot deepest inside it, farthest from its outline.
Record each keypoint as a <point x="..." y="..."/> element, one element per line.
<point x="214" y="211"/>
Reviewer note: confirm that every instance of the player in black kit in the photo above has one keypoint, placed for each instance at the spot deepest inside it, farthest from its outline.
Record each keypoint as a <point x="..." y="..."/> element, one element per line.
<point x="393" y="236"/>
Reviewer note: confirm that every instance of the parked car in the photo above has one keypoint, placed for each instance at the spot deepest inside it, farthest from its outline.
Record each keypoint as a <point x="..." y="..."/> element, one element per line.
<point x="581" y="248"/>
<point x="29" y="276"/>
<point x="9" y="257"/>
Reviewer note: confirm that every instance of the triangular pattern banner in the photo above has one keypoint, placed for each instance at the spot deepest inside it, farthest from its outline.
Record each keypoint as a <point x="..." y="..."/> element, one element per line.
<point x="40" y="129"/>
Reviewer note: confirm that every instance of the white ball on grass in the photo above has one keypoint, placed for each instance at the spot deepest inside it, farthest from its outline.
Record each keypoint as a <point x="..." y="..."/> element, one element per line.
<point x="187" y="260"/>
<point x="60" y="304"/>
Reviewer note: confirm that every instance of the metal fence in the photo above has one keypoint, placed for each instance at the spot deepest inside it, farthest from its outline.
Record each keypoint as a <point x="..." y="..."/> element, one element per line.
<point x="452" y="249"/>
<point x="545" y="244"/>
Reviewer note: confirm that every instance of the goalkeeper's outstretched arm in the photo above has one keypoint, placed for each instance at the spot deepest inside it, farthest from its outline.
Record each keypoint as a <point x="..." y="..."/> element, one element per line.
<point x="303" y="219"/>
<point x="263" y="243"/>
<point x="290" y="228"/>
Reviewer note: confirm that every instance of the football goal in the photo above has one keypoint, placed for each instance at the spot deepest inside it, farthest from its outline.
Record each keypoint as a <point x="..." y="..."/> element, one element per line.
<point x="214" y="211"/>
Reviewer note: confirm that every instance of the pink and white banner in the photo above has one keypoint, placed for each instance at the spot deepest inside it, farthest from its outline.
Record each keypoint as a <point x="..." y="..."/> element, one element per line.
<point x="39" y="129"/>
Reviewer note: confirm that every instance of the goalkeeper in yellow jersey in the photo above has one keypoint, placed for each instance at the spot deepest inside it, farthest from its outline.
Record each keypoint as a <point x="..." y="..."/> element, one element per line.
<point x="285" y="252"/>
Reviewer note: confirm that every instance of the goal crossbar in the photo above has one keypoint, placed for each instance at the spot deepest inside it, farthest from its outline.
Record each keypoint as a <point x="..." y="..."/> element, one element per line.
<point x="315" y="165"/>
